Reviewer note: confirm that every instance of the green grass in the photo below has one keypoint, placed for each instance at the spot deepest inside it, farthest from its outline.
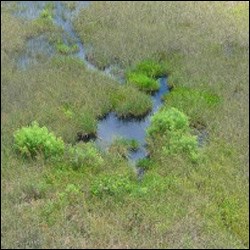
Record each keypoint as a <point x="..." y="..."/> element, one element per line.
<point x="92" y="198"/>
<point x="143" y="82"/>
<point x="122" y="146"/>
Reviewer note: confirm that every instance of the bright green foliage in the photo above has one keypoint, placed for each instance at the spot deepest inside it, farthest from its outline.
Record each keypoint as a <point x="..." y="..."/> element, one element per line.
<point x="150" y="68"/>
<point x="168" y="120"/>
<point x="33" y="139"/>
<point x="83" y="155"/>
<point x="143" y="82"/>
<point x="173" y="127"/>
<point x="111" y="185"/>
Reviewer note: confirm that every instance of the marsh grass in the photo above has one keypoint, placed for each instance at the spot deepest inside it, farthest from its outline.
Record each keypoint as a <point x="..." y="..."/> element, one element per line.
<point x="178" y="204"/>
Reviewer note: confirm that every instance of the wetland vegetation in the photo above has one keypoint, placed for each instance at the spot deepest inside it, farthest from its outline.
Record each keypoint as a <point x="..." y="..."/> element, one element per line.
<point x="96" y="152"/>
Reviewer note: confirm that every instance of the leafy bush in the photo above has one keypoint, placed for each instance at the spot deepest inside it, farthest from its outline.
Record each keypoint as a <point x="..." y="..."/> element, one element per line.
<point x="182" y="143"/>
<point x="111" y="185"/>
<point x="83" y="154"/>
<point x="172" y="127"/>
<point x="33" y="139"/>
<point x="143" y="82"/>
<point x="168" y="120"/>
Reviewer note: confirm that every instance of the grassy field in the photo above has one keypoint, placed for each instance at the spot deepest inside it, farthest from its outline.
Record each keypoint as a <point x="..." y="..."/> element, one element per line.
<point x="91" y="198"/>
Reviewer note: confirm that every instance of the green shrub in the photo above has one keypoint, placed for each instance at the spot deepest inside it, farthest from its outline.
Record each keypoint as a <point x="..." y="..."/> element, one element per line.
<point x="172" y="127"/>
<point x="143" y="82"/>
<point x="111" y="185"/>
<point x="33" y="139"/>
<point x="83" y="155"/>
<point x="178" y="143"/>
<point x="168" y="120"/>
<point x="150" y="68"/>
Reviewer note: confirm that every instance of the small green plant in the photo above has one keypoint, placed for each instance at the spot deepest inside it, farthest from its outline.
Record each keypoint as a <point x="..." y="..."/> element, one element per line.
<point x="168" y="120"/>
<point x="143" y="82"/>
<point x="111" y="185"/>
<point x="33" y="139"/>
<point x="83" y="155"/>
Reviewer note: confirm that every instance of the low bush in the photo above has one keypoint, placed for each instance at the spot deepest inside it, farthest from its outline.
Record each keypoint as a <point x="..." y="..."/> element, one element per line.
<point x="172" y="127"/>
<point x="33" y="139"/>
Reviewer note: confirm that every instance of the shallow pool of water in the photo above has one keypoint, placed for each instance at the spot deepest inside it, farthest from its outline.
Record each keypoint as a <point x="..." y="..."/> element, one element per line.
<point x="112" y="127"/>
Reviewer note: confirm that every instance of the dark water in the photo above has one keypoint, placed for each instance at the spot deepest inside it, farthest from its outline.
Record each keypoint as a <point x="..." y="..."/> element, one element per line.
<point x="112" y="126"/>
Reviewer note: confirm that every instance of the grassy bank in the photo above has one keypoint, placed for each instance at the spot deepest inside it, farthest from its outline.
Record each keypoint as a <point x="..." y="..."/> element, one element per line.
<point x="90" y="198"/>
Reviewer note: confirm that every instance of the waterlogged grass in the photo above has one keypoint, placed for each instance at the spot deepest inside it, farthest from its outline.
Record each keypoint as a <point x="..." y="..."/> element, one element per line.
<point x="93" y="199"/>
<point x="122" y="146"/>
<point x="65" y="49"/>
